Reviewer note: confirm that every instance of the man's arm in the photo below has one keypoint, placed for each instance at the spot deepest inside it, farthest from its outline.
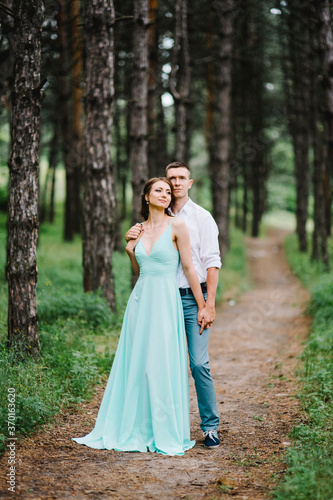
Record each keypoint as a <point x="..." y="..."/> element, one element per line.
<point x="210" y="259"/>
<point x="207" y="315"/>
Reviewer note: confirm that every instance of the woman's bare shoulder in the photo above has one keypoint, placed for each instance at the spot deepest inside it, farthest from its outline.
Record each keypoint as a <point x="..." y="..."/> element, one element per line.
<point x="178" y="224"/>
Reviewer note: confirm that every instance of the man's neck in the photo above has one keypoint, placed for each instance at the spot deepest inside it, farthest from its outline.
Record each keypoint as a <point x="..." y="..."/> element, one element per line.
<point x="177" y="205"/>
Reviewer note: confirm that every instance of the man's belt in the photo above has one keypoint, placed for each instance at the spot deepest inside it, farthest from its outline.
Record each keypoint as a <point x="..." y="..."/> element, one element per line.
<point x="188" y="291"/>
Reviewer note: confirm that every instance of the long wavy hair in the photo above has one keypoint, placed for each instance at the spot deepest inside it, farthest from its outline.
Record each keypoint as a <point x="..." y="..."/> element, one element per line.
<point x="144" y="212"/>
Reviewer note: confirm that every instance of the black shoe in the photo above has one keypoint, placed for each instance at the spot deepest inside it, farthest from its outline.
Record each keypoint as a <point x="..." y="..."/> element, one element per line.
<point x="211" y="439"/>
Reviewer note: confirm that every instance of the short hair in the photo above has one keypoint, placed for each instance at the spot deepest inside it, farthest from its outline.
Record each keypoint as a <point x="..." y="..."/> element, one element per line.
<point x="176" y="164"/>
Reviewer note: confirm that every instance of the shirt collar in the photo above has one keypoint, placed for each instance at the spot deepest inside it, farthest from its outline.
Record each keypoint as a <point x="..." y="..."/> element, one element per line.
<point x="186" y="208"/>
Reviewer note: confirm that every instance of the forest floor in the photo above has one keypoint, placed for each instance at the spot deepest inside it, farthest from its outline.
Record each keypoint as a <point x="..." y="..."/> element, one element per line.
<point x="254" y="344"/>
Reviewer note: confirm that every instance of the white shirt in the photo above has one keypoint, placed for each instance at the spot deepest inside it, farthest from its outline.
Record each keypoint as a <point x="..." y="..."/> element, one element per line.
<point x="204" y="241"/>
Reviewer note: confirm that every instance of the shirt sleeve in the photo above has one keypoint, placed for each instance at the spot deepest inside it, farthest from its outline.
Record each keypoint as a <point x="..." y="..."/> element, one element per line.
<point x="209" y="244"/>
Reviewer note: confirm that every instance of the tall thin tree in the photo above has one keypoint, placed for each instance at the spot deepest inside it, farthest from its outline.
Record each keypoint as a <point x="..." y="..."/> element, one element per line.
<point x="139" y="103"/>
<point x="257" y="157"/>
<point x="326" y="60"/>
<point x="219" y="171"/>
<point x="99" y="193"/>
<point x="23" y="181"/>
<point x="180" y="80"/>
<point x="152" y="89"/>
<point x="297" y="68"/>
<point x="320" y="106"/>
<point x="76" y="143"/>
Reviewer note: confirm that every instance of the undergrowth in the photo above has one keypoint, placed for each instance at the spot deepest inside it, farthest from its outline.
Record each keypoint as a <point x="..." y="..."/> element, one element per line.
<point x="78" y="335"/>
<point x="310" y="460"/>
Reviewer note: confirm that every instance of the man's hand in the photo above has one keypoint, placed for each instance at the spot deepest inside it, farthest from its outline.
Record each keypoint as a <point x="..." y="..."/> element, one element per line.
<point x="206" y="317"/>
<point x="134" y="232"/>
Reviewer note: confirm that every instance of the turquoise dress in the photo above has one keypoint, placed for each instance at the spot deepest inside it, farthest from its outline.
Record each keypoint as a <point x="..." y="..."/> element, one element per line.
<point x="145" y="406"/>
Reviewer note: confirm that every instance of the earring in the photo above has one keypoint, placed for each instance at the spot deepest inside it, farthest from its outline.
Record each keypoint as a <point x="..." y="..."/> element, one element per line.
<point x="147" y="202"/>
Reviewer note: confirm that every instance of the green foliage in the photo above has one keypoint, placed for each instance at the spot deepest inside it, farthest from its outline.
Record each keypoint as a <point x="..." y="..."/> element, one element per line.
<point x="234" y="276"/>
<point x="280" y="185"/>
<point x="65" y="374"/>
<point x="310" y="460"/>
<point x="78" y="334"/>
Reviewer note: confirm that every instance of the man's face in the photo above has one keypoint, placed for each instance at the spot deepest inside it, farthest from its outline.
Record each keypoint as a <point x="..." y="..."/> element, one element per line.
<point x="180" y="180"/>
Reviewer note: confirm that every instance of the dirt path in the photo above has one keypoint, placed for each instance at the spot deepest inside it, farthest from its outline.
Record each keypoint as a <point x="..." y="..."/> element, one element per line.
<point x="253" y="349"/>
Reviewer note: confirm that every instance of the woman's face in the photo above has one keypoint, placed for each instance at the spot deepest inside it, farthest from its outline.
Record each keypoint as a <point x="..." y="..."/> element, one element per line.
<point x="159" y="195"/>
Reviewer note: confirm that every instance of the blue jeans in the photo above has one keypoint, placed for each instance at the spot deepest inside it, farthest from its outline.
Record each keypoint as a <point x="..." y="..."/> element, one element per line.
<point x="199" y="364"/>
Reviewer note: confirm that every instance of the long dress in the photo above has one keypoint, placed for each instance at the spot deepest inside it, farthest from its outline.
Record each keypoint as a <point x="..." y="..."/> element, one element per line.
<point x="145" y="406"/>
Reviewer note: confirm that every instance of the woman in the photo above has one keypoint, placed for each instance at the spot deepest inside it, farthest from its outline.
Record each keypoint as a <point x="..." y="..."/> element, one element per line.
<point x="145" y="406"/>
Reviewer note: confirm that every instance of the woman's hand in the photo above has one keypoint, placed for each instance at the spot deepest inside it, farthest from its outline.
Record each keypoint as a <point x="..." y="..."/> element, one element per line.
<point x="206" y="316"/>
<point x="134" y="232"/>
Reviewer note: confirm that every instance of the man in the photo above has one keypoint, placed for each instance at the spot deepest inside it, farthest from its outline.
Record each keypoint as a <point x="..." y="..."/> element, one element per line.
<point x="206" y="259"/>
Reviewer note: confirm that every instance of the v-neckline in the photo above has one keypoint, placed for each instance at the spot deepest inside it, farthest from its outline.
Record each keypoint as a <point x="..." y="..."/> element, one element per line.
<point x="152" y="248"/>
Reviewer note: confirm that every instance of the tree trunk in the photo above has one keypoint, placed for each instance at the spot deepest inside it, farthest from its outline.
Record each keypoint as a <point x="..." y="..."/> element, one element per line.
<point x="298" y="108"/>
<point x="152" y="87"/>
<point x="53" y="182"/>
<point x="220" y="168"/>
<point x="76" y="145"/>
<point x="53" y="160"/>
<point x="70" y="108"/>
<point x="242" y="110"/>
<point x="180" y="80"/>
<point x="7" y="56"/>
<point x="326" y="59"/>
<point x="138" y="117"/>
<point x="23" y="180"/>
<point x="319" y="246"/>
<point x="321" y="142"/>
<point x="70" y="156"/>
<point x="99" y="200"/>
<point x="210" y="82"/>
<point x="162" y="141"/>
<point x="53" y="153"/>
<point x="258" y="168"/>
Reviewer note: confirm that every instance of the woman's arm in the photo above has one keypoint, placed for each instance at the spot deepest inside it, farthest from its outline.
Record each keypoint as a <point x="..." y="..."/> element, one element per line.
<point x="183" y="243"/>
<point x="130" y="247"/>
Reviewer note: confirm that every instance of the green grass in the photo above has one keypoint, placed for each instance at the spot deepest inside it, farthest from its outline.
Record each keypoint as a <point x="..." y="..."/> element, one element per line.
<point x="234" y="275"/>
<point x="78" y="332"/>
<point x="310" y="459"/>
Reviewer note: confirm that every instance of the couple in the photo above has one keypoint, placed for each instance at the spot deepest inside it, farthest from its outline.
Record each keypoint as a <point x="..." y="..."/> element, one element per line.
<point x="145" y="406"/>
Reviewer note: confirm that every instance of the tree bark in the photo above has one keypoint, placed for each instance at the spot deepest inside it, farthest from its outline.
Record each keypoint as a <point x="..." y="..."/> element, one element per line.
<point x="210" y="83"/>
<point x="138" y="116"/>
<point x="69" y="93"/>
<point x="70" y="157"/>
<point x="23" y="180"/>
<point x="7" y="56"/>
<point x="77" y="130"/>
<point x="326" y="59"/>
<point x="162" y="141"/>
<point x="320" y="114"/>
<point x="99" y="198"/>
<point x="298" y="108"/>
<point x="220" y="167"/>
<point x="180" y="80"/>
<point x="319" y="237"/>
<point x="258" y="166"/>
<point x="152" y="88"/>
<point x="53" y="155"/>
